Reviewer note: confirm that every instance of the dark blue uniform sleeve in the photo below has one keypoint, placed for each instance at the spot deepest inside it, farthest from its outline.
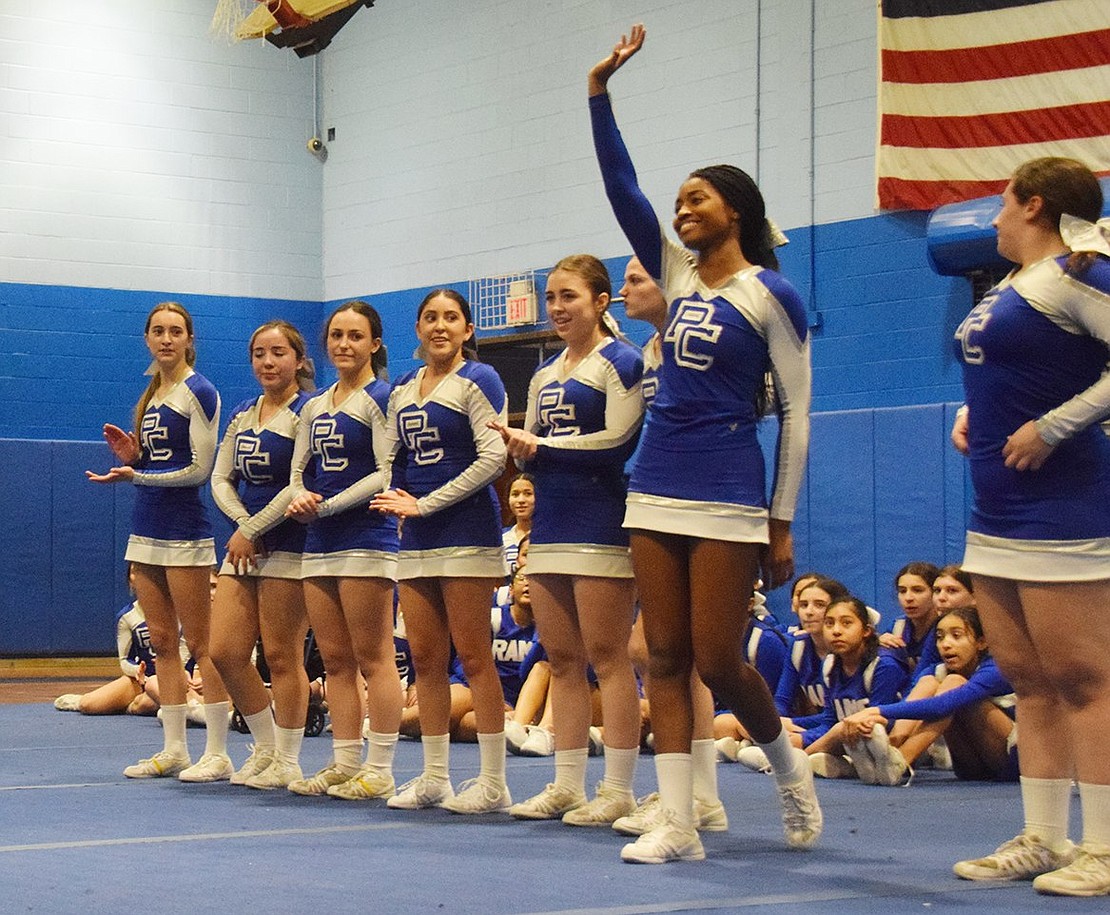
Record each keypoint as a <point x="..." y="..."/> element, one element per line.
<point x="984" y="684"/>
<point x="633" y="211"/>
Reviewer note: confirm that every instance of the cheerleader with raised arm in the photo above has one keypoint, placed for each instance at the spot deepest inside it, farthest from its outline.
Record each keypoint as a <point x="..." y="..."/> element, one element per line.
<point x="697" y="509"/>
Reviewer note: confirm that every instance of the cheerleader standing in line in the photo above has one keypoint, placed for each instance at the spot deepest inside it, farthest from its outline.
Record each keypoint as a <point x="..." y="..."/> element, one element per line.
<point x="259" y="589"/>
<point x="584" y="413"/>
<point x="340" y="461"/>
<point x="445" y="459"/>
<point x="169" y="458"/>
<point x="644" y="301"/>
<point x="697" y="505"/>
<point x="1038" y="545"/>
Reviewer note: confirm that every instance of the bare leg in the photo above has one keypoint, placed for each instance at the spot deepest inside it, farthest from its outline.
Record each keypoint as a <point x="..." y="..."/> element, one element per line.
<point x="284" y="625"/>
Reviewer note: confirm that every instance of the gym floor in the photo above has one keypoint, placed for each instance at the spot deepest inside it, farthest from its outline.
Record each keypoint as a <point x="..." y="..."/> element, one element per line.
<point x="78" y="837"/>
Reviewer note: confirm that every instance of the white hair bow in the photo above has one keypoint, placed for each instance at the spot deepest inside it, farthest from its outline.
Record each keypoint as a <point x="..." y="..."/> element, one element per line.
<point x="1080" y="235"/>
<point x="774" y="234"/>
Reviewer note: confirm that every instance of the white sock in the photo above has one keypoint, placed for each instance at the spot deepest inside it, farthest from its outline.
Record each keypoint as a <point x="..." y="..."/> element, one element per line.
<point x="1094" y="801"/>
<point x="784" y="759"/>
<point x="570" y="769"/>
<point x="347" y="754"/>
<point x="620" y="768"/>
<point x="491" y="757"/>
<point x="216" y="721"/>
<point x="287" y="743"/>
<point x="380" y="749"/>
<point x="674" y="772"/>
<point x="173" y="730"/>
<point x="703" y="754"/>
<point x="261" y="726"/>
<point x="1047" y="805"/>
<point x="437" y="755"/>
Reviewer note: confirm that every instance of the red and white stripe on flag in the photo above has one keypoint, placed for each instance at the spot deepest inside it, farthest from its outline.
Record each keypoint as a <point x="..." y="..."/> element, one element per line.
<point x="970" y="89"/>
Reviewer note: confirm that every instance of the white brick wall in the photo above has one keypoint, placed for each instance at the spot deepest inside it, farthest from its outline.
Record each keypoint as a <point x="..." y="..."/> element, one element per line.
<point x="463" y="142"/>
<point x="138" y="153"/>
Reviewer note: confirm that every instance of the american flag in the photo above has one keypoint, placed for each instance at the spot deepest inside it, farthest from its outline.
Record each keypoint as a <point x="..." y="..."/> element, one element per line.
<point x="970" y="89"/>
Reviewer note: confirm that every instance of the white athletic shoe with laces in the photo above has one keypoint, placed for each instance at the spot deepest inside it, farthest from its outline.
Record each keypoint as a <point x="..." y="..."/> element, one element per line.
<point x="70" y="702"/>
<point x="755" y="759"/>
<point x="709" y="816"/>
<point x="211" y="767"/>
<point x="477" y="796"/>
<point x="515" y="735"/>
<point x="862" y="762"/>
<point x="608" y="804"/>
<point x="666" y="842"/>
<point x="829" y="765"/>
<point x="318" y="784"/>
<point x="549" y="804"/>
<point x="801" y="812"/>
<point x="1087" y="875"/>
<point x="1023" y="857"/>
<point x="256" y="762"/>
<point x="891" y="768"/>
<point x="281" y="773"/>
<point x="160" y="765"/>
<point x="368" y="783"/>
<point x="420" y="792"/>
<point x="539" y="742"/>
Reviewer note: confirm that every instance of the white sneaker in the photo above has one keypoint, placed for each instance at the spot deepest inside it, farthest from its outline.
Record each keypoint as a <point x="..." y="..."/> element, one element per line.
<point x="160" y="765"/>
<point x="890" y="766"/>
<point x="728" y="749"/>
<point x="801" y="813"/>
<point x="539" y="742"/>
<point x="515" y="735"/>
<point x="595" y="745"/>
<point x="1020" y="858"/>
<point x="549" y="804"/>
<point x="939" y="755"/>
<point x="608" y="805"/>
<point x="211" y="767"/>
<point x="829" y="765"/>
<point x="666" y="842"/>
<point x="367" y="783"/>
<point x="281" y="773"/>
<point x="862" y="762"/>
<point x="70" y="702"/>
<point x="649" y="813"/>
<point x="194" y="715"/>
<point x="755" y="759"/>
<point x="259" y="759"/>
<point x="710" y="816"/>
<point x="1087" y="875"/>
<point x="422" y="791"/>
<point x="479" y="796"/>
<point x="318" y="784"/>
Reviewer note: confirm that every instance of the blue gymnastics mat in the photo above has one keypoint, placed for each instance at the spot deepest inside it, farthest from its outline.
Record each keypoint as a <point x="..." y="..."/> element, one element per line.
<point x="75" y="836"/>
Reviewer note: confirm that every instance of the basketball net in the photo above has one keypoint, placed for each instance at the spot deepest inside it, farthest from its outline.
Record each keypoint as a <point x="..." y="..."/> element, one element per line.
<point x="227" y="18"/>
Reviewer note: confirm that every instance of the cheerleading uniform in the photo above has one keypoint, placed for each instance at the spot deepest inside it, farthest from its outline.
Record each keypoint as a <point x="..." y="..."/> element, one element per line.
<point x="342" y="452"/>
<point x="879" y="681"/>
<point x="1036" y="348"/>
<point x="920" y="655"/>
<point x="250" y="484"/>
<point x="801" y="681"/>
<point x="587" y="421"/>
<point x="700" y="471"/>
<point x="511" y="644"/>
<point x="133" y="641"/>
<point x="444" y="453"/>
<point x="177" y="435"/>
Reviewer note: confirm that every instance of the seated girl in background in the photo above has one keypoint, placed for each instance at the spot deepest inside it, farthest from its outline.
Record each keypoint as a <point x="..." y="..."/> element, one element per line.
<point x="966" y="700"/>
<point x="953" y="589"/>
<point x="522" y="503"/>
<point x="855" y="674"/>
<point x="914" y="631"/>
<point x="802" y="582"/>
<point x="800" y="688"/>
